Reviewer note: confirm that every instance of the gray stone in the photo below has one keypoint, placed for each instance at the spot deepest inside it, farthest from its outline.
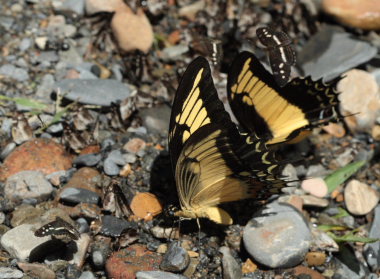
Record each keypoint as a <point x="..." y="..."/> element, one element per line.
<point x="156" y="119"/>
<point x="348" y="266"/>
<point x="46" y="86"/>
<point x="87" y="275"/>
<point x="27" y="185"/>
<point x="158" y="275"/>
<point x="372" y="250"/>
<point x="174" y="51"/>
<point x="331" y="52"/>
<point x="231" y="268"/>
<point x="10" y="273"/>
<point x="87" y="160"/>
<point x="69" y="6"/>
<point x="78" y="195"/>
<point x="113" y="226"/>
<point x="7" y="150"/>
<point x="277" y="236"/>
<point x="25" y="44"/>
<point x="47" y="56"/>
<point x="176" y="258"/>
<point x="94" y="92"/>
<point x="16" y="73"/>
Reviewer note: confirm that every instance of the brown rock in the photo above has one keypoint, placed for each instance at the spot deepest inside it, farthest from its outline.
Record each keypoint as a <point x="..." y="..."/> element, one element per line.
<point x="376" y="132"/>
<point x="134" y="145"/>
<point x="335" y="129"/>
<point x="37" y="270"/>
<point x="248" y="267"/>
<point x="132" y="31"/>
<point x="125" y="263"/>
<point x="90" y="149"/>
<point x="315" y="258"/>
<point x="41" y="154"/>
<point x="359" y="96"/>
<point x="363" y="14"/>
<point x="303" y="270"/>
<point x="146" y="206"/>
<point x="360" y="199"/>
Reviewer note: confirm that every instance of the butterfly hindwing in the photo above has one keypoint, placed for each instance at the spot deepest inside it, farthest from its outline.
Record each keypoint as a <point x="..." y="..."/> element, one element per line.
<point x="277" y="113"/>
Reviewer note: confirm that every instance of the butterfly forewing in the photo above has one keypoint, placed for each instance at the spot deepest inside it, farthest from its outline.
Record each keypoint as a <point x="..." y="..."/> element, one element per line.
<point x="58" y="227"/>
<point x="280" y="114"/>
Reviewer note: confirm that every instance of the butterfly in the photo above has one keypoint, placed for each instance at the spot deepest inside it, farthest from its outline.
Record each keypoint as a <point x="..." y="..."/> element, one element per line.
<point x="280" y="114"/>
<point x="281" y="53"/>
<point x="58" y="227"/>
<point x="213" y="163"/>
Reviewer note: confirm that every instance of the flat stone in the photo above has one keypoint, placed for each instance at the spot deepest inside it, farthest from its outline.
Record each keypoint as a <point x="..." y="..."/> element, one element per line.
<point x="14" y="72"/>
<point x="40" y="271"/>
<point x="360" y="199"/>
<point x="78" y="195"/>
<point x="231" y="268"/>
<point x="158" y="275"/>
<point x="10" y="273"/>
<point x="94" y="91"/>
<point x="175" y="259"/>
<point x="315" y="186"/>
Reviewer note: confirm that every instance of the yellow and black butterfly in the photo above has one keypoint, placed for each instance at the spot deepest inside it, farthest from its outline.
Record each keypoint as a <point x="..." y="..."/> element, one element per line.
<point x="212" y="162"/>
<point x="278" y="113"/>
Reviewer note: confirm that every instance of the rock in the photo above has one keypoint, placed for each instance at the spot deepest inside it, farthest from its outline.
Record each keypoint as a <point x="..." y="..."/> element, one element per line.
<point x="315" y="186"/>
<point x="132" y="30"/>
<point x="340" y="52"/>
<point x="79" y="195"/>
<point x="146" y="206"/>
<point x="20" y="241"/>
<point x="27" y="185"/>
<point x="79" y="256"/>
<point x="364" y="14"/>
<point x="111" y="164"/>
<point x="347" y="265"/>
<point x="25" y="214"/>
<point x="96" y="6"/>
<point x="125" y="263"/>
<point x="156" y="119"/>
<point x="305" y="272"/>
<point x="69" y="6"/>
<point x="41" y="154"/>
<point x="10" y="273"/>
<point x="174" y="52"/>
<point x="88" y="160"/>
<point x="372" y="250"/>
<point x="231" y="268"/>
<point x="190" y="11"/>
<point x="315" y="258"/>
<point x="113" y="226"/>
<point x="314" y="201"/>
<point x="323" y="241"/>
<point x="87" y="275"/>
<point x="360" y="199"/>
<point x="277" y="236"/>
<point x="158" y="275"/>
<point x="335" y="129"/>
<point x="13" y="72"/>
<point x="46" y="87"/>
<point x="175" y="259"/>
<point x="316" y="170"/>
<point x="93" y="91"/>
<point x="40" y="271"/>
<point x="25" y="44"/>
<point x="134" y="145"/>
<point x="359" y="96"/>
<point x="248" y="266"/>
<point x="99" y="254"/>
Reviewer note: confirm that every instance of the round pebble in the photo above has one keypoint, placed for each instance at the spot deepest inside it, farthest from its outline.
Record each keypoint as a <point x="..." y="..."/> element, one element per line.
<point x="360" y="199"/>
<point x="315" y="186"/>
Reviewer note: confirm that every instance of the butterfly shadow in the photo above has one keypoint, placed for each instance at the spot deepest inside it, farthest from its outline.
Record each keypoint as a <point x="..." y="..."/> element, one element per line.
<point x="54" y="249"/>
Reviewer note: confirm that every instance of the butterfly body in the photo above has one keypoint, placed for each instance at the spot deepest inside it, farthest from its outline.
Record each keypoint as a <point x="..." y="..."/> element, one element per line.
<point x="212" y="161"/>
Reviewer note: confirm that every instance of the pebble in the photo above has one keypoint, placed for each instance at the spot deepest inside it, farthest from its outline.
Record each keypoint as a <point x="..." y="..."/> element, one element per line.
<point x="46" y="86"/>
<point x="7" y="150"/>
<point x="27" y="185"/>
<point x="176" y="259"/>
<point x="43" y="155"/>
<point x="113" y="226"/>
<point x="92" y="91"/>
<point x="80" y="254"/>
<point x="132" y="30"/>
<point x="335" y="129"/>
<point x="99" y="254"/>
<point x="314" y="201"/>
<point x="127" y="262"/>
<point x="317" y="170"/>
<point x="315" y="186"/>
<point x="359" y="95"/>
<point x="25" y="44"/>
<point x="145" y="206"/>
<point x="315" y="258"/>
<point x="278" y="236"/>
<point x="25" y="214"/>
<point x="364" y="14"/>
<point x="158" y="275"/>
<point x="88" y="160"/>
<point x="372" y="250"/>
<point x="305" y="272"/>
<point x="231" y="268"/>
<point x="248" y="266"/>
<point x="13" y="72"/>
<point x="69" y="6"/>
<point x="79" y="195"/>
<point x="360" y="198"/>
<point x="37" y="270"/>
<point x="174" y="52"/>
<point x="156" y="119"/>
<point x="20" y="241"/>
<point x="96" y="6"/>
<point x="10" y="273"/>
<point x="87" y="275"/>
<point x="349" y="267"/>
<point x="112" y="163"/>
<point x="134" y="145"/>
<point x="323" y="241"/>
<point x="341" y="53"/>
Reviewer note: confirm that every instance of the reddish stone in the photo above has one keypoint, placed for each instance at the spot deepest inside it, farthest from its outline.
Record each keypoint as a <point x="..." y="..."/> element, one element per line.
<point x="90" y="149"/>
<point x="125" y="263"/>
<point x="134" y="145"/>
<point x="43" y="155"/>
<point x="303" y="270"/>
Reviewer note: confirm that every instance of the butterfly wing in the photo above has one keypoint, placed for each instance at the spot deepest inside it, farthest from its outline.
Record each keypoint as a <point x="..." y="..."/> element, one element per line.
<point x="280" y="114"/>
<point x="58" y="227"/>
<point x="213" y="163"/>
<point x="281" y="53"/>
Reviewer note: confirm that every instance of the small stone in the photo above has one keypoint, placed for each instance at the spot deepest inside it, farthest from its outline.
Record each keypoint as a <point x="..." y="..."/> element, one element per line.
<point x="96" y="6"/>
<point x="322" y="240"/>
<point x="248" y="266"/>
<point x="372" y="250"/>
<point x="314" y="201"/>
<point x="169" y="233"/>
<point x="88" y="160"/>
<point x="335" y="129"/>
<point x="46" y="86"/>
<point x="40" y="271"/>
<point x="303" y="271"/>
<point x="132" y="30"/>
<point x="13" y="72"/>
<point x="41" y="42"/>
<point x="364" y="14"/>
<point x="277" y="236"/>
<point x="376" y="132"/>
<point x="315" y="258"/>
<point x="134" y="145"/>
<point x="127" y="262"/>
<point x="293" y="200"/>
<point x="126" y="170"/>
<point x="174" y="52"/>
<point x="315" y="186"/>
<point x="359" y="95"/>
<point x="158" y="275"/>
<point x="25" y="214"/>
<point x="113" y="226"/>
<point x="175" y="259"/>
<point x="360" y="199"/>
<point x="25" y="44"/>
<point x="27" y="185"/>
<point x="190" y="11"/>
<point x="10" y="273"/>
<point x="231" y="268"/>
<point x="146" y="206"/>
<point x="43" y="155"/>
<point x="79" y="195"/>
<point x="87" y="275"/>
<point x="156" y="119"/>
